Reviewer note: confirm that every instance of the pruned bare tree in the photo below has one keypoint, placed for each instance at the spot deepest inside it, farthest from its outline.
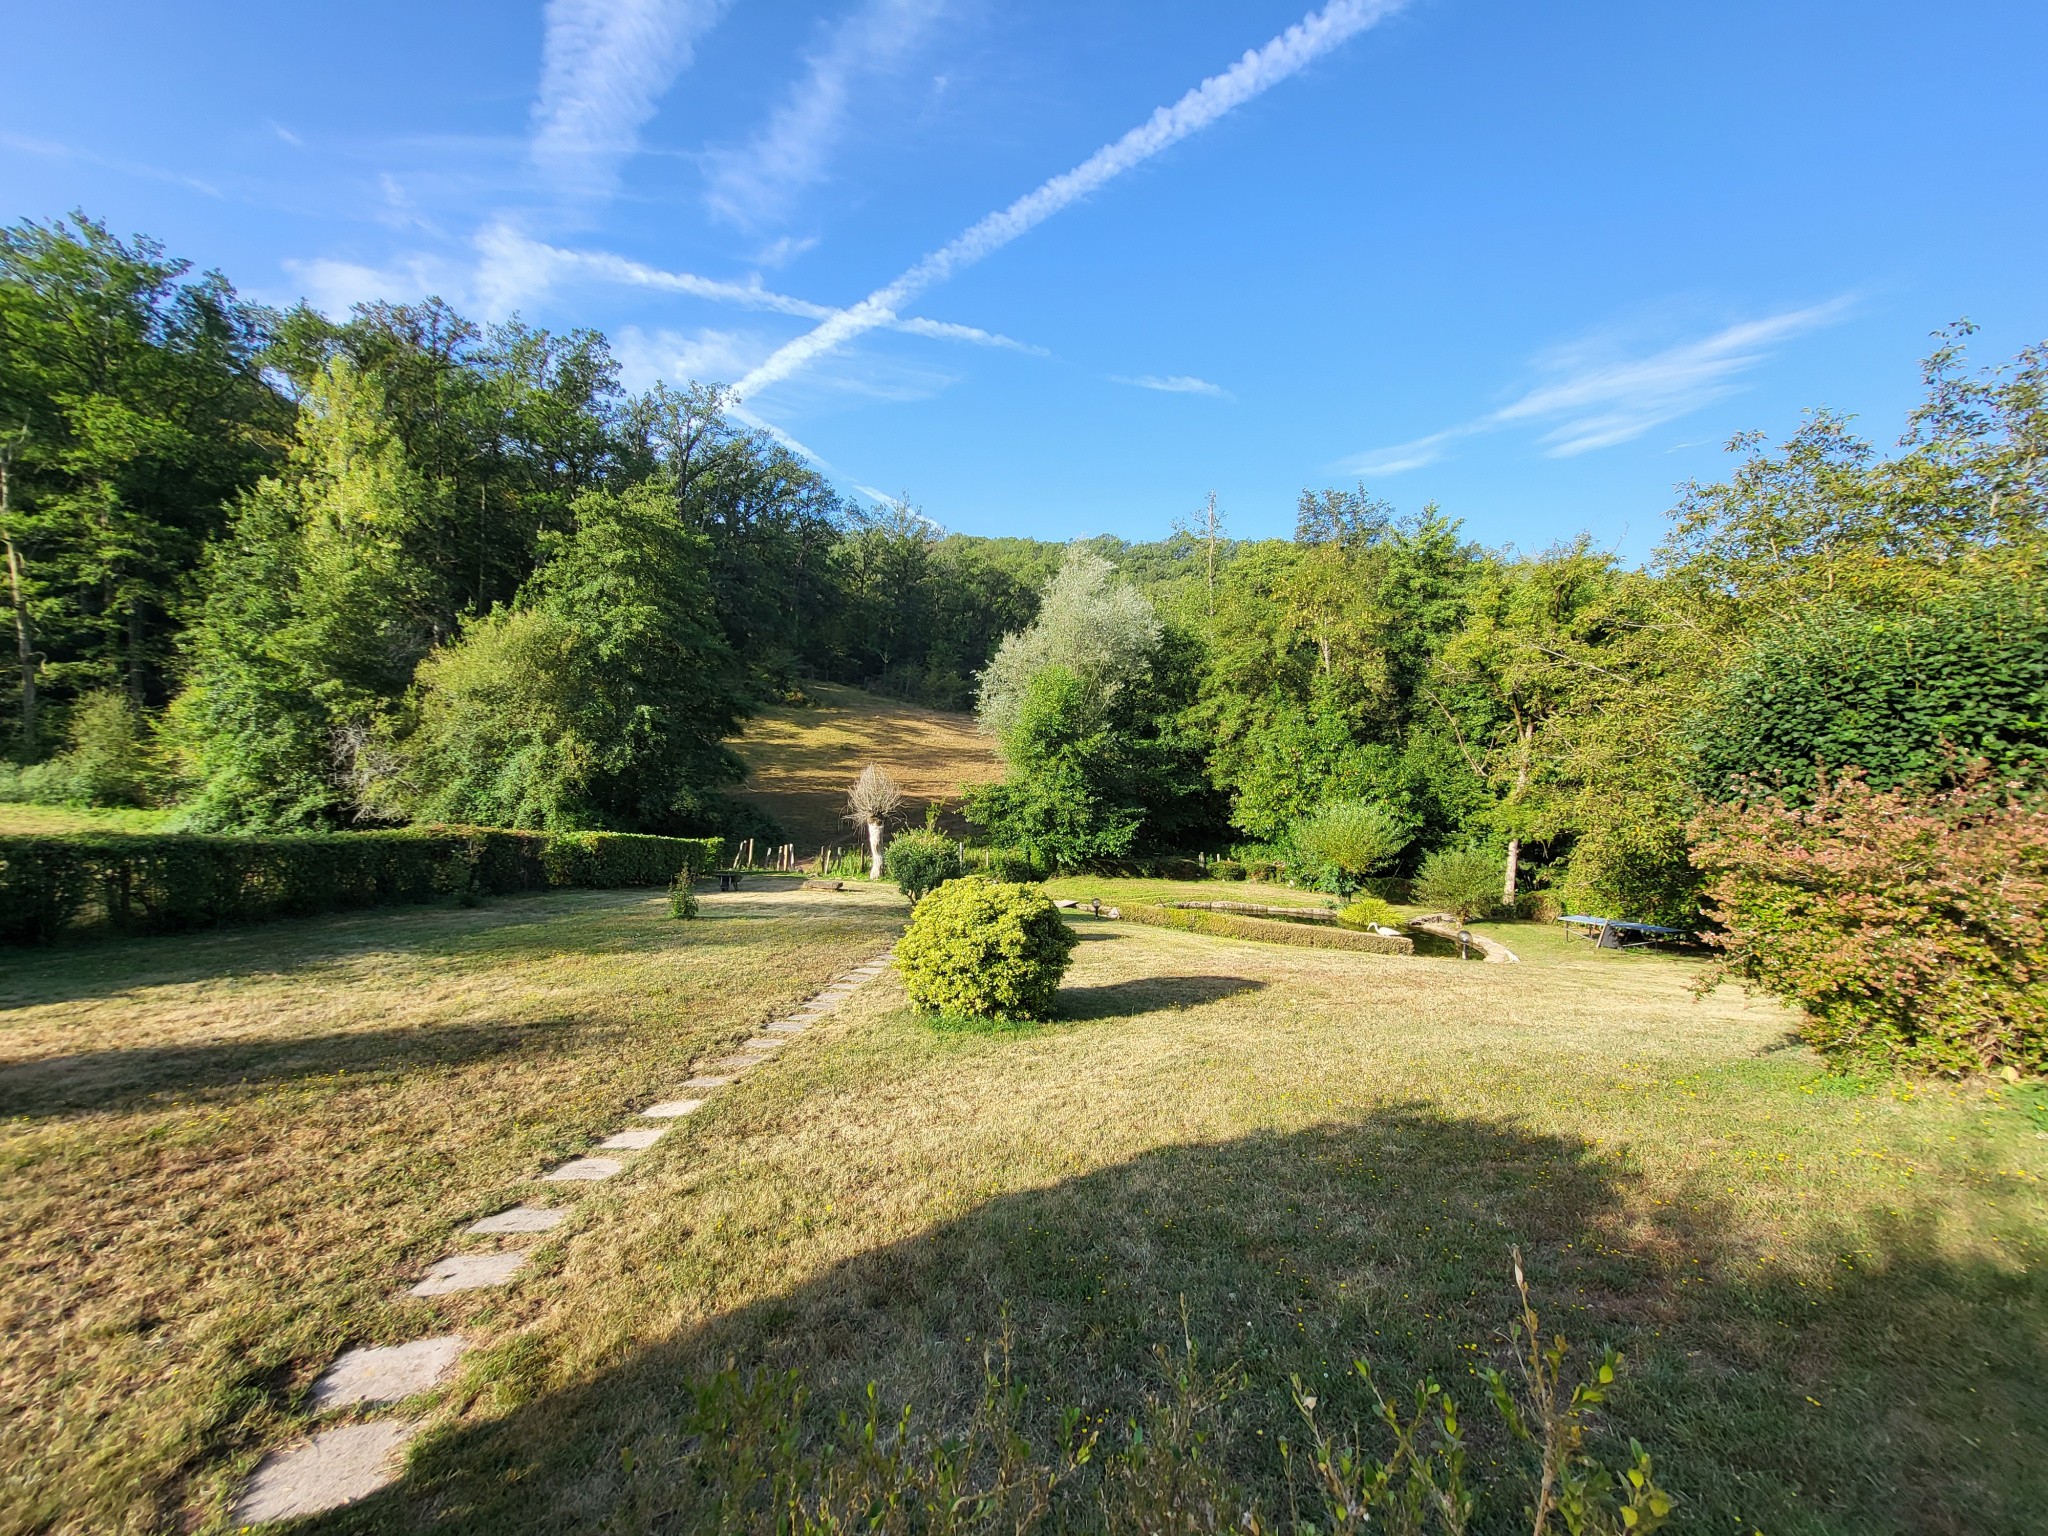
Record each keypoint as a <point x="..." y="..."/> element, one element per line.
<point x="872" y="804"/>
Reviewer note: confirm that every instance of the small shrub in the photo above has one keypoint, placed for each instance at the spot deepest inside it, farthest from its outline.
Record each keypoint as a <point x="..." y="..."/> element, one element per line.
<point x="1367" y="913"/>
<point x="1911" y="927"/>
<point x="682" y="896"/>
<point x="985" y="947"/>
<point x="920" y="862"/>
<point x="1462" y="881"/>
<point x="105" y="760"/>
<point x="1337" y="847"/>
<point x="1226" y="869"/>
<point x="1014" y="866"/>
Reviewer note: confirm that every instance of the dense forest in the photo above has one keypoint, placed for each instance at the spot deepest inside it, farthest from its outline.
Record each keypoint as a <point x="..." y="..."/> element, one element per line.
<point x="288" y="573"/>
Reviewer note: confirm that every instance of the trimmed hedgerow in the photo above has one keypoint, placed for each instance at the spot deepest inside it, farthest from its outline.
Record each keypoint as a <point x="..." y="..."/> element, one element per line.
<point x="987" y="948"/>
<point x="1227" y="925"/>
<point x="166" y="883"/>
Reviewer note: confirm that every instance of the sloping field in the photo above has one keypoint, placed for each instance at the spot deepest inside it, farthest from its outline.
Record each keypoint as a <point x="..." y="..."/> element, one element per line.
<point x="804" y="757"/>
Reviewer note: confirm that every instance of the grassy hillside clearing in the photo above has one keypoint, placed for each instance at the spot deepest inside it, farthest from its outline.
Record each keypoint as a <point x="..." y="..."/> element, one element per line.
<point x="803" y="758"/>
<point x="226" y="1155"/>
<point x="48" y="820"/>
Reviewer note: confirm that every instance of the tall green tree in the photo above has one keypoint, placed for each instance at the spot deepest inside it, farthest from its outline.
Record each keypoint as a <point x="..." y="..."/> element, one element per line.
<point x="317" y="609"/>
<point x="133" y="408"/>
<point x="599" y="699"/>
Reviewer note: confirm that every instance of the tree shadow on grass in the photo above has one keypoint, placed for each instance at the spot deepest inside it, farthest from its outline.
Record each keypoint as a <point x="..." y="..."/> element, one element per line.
<point x="1907" y="1393"/>
<point x="92" y="1081"/>
<point x="539" y="924"/>
<point x="1149" y="994"/>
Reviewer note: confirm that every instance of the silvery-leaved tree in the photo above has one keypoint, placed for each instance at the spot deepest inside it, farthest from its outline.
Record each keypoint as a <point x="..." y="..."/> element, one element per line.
<point x="871" y="804"/>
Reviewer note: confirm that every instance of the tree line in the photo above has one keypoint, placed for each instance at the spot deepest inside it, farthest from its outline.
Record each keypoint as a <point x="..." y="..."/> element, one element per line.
<point x="296" y="573"/>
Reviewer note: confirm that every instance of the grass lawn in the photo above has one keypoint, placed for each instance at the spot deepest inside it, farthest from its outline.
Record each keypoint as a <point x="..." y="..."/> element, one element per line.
<point x="224" y="1156"/>
<point x="43" y="820"/>
<point x="227" y="1155"/>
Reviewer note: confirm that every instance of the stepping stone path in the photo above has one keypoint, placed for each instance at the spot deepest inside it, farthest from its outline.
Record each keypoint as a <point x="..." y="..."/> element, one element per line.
<point x="336" y="1467"/>
<point x="584" y="1170"/>
<point x="386" y="1375"/>
<point x="521" y="1218"/>
<point x="674" y="1109"/>
<point x="633" y="1141"/>
<point x="468" y="1272"/>
<point x="352" y="1461"/>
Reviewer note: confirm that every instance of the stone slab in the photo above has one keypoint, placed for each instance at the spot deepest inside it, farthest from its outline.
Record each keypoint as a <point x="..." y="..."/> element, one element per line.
<point x="521" y="1218"/>
<point x="673" y="1109"/>
<point x="336" y="1467"/>
<point x="738" y="1063"/>
<point x="633" y="1141"/>
<point x="468" y="1272"/>
<point x="388" y="1374"/>
<point x="707" y="1082"/>
<point x="786" y="1027"/>
<point x="584" y="1170"/>
<point x="764" y="1043"/>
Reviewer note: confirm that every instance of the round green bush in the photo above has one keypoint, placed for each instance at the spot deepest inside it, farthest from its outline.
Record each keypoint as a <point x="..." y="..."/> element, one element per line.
<point x="920" y="862"/>
<point x="1463" y="881"/>
<point x="984" y="947"/>
<point x="1226" y="869"/>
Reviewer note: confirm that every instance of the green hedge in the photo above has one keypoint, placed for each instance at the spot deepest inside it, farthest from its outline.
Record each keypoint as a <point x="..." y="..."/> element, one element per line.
<point x="1227" y="925"/>
<point x="140" y="883"/>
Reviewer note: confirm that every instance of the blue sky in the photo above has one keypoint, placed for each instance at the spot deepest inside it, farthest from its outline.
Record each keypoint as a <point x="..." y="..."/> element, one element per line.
<point x="1533" y="262"/>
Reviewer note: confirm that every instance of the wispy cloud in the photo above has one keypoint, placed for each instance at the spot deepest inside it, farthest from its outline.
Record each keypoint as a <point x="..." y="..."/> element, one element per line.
<point x="1597" y="399"/>
<point x="1258" y="71"/>
<point x="332" y="286"/>
<point x="1173" y="384"/>
<point x="756" y="183"/>
<point x="1594" y="395"/>
<point x="513" y="268"/>
<point x="285" y="134"/>
<point x="51" y="149"/>
<point x="604" y="66"/>
<point x="781" y="252"/>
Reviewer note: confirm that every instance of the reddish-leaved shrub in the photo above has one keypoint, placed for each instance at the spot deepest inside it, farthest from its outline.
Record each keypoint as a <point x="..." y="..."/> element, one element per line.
<point x="1908" y="925"/>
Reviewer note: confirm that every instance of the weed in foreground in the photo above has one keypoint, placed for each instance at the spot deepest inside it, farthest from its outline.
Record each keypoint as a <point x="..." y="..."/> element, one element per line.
<point x="754" y="1465"/>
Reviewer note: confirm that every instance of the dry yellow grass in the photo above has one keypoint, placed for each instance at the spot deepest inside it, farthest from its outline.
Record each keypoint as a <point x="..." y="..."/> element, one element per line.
<point x="1832" y="1295"/>
<point x="224" y="1157"/>
<point x="803" y="759"/>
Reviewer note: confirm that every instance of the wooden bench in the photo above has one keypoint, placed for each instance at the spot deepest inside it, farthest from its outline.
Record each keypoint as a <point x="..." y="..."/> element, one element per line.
<point x="729" y="879"/>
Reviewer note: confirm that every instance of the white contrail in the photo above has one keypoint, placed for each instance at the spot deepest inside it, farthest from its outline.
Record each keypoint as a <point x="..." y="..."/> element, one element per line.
<point x="1307" y="40"/>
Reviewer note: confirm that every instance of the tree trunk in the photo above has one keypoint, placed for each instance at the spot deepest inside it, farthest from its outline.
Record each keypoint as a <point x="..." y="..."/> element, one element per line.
<point x="1526" y="732"/>
<point x="24" y="626"/>
<point x="874" y="850"/>
<point x="25" y="650"/>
